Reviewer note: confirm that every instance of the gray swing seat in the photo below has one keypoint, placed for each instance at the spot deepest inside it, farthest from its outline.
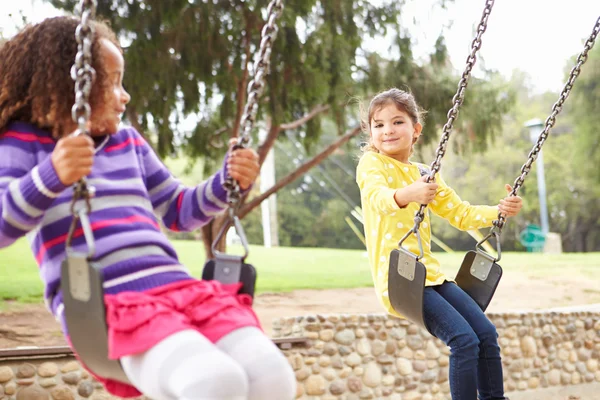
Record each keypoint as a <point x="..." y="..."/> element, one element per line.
<point x="85" y="316"/>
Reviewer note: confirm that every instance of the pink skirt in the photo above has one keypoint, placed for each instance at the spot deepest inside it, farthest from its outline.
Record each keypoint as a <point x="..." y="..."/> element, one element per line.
<point x="139" y="320"/>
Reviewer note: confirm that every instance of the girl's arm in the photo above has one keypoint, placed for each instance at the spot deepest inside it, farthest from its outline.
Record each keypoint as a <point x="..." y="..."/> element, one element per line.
<point x="374" y="187"/>
<point x="181" y="208"/>
<point x="461" y="214"/>
<point x="27" y="190"/>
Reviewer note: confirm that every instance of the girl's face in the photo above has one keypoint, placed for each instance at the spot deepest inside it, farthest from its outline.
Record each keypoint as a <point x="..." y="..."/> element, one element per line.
<point x="393" y="132"/>
<point x="106" y="115"/>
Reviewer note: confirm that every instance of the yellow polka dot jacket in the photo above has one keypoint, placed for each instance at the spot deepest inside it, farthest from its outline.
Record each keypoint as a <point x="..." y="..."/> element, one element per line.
<point x="378" y="177"/>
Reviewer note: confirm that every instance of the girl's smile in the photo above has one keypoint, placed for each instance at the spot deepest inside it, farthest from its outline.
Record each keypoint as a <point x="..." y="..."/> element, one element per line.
<point x="393" y="132"/>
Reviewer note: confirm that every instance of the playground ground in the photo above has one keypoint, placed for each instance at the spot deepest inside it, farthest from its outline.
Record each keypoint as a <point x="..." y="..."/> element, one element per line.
<point x="32" y="325"/>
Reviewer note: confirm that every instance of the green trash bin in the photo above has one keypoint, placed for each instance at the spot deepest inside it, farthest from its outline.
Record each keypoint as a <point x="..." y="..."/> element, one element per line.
<point x="533" y="238"/>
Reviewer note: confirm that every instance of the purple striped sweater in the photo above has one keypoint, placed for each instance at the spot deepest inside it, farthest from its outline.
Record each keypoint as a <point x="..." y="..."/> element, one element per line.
<point x="133" y="190"/>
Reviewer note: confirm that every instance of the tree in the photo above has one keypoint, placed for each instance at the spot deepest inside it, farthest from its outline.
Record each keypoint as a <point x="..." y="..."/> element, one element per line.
<point x="192" y="59"/>
<point x="585" y="106"/>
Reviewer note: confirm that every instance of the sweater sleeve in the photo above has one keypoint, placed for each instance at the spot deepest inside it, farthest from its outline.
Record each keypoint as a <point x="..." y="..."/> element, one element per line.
<point x="182" y="208"/>
<point x="27" y="190"/>
<point x="460" y="214"/>
<point x="373" y="184"/>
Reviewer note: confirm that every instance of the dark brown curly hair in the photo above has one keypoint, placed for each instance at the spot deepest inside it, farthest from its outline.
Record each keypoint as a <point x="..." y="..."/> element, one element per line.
<point x="35" y="80"/>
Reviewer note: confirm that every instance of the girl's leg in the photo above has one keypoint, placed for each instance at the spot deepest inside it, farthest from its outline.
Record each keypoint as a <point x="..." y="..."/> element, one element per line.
<point x="186" y="366"/>
<point x="449" y="326"/>
<point x="490" y="382"/>
<point x="270" y="375"/>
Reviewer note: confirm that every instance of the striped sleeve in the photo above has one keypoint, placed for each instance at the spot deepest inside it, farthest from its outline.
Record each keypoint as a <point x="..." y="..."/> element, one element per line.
<point x="182" y="208"/>
<point x="26" y="191"/>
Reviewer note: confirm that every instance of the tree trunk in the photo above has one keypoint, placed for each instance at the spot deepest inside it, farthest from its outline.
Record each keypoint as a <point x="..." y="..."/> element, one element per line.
<point x="209" y="234"/>
<point x="243" y="83"/>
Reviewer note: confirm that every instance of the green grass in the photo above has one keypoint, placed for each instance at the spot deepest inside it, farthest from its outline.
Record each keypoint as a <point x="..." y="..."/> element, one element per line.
<point x="284" y="269"/>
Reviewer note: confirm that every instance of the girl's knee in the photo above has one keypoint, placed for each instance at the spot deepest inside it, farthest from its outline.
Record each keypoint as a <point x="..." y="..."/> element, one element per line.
<point x="269" y="373"/>
<point x="224" y="381"/>
<point x="276" y="380"/>
<point x="488" y="335"/>
<point x="466" y="343"/>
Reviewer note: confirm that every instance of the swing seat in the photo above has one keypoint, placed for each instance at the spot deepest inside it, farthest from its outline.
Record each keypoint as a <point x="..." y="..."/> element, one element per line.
<point x="479" y="276"/>
<point x="85" y="315"/>
<point x="229" y="269"/>
<point x="406" y="283"/>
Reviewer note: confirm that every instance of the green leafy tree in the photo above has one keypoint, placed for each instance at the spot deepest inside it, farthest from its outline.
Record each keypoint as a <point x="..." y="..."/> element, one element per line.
<point x="585" y="108"/>
<point x="572" y="195"/>
<point x="191" y="60"/>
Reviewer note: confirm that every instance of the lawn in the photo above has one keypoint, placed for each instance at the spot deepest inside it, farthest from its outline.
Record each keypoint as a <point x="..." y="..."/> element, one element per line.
<point x="285" y="269"/>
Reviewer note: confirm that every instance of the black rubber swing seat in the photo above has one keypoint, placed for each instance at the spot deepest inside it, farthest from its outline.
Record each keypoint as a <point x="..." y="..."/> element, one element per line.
<point x="479" y="276"/>
<point x="229" y="269"/>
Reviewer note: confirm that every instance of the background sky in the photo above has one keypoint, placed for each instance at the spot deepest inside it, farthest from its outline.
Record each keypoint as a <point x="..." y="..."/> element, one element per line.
<point x="535" y="36"/>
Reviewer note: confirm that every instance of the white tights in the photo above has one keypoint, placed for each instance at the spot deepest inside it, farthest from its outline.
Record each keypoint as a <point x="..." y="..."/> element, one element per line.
<point x="243" y="365"/>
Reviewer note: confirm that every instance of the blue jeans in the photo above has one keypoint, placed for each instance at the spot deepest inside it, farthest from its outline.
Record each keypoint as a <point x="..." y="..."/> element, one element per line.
<point x="475" y="365"/>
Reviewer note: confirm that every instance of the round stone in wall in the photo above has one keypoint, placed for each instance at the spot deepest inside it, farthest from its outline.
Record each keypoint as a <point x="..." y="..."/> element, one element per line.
<point x="48" y="370"/>
<point x="33" y="392"/>
<point x="6" y="374"/>
<point x="26" y="371"/>
<point x="85" y="389"/>
<point x="62" y="392"/>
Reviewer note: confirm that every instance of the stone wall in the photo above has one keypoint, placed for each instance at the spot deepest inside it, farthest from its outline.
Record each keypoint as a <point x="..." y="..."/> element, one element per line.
<point x="48" y="378"/>
<point x="379" y="357"/>
<point x="355" y="357"/>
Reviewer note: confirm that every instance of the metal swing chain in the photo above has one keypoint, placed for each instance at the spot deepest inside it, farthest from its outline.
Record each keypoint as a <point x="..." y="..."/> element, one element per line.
<point x="255" y="89"/>
<point x="83" y="74"/>
<point x="550" y="121"/>
<point x="457" y="101"/>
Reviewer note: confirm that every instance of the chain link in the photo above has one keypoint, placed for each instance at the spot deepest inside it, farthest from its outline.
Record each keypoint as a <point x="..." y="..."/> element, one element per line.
<point x="457" y="101"/>
<point x="82" y="71"/>
<point x="83" y="74"/>
<point x="255" y="89"/>
<point x="551" y="120"/>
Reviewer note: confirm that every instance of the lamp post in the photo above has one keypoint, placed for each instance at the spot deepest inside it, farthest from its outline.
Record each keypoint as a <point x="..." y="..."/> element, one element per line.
<point x="535" y="127"/>
<point x="269" y="206"/>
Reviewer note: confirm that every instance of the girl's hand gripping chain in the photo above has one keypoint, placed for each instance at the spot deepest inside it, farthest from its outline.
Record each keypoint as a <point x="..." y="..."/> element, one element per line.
<point x="419" y="192"/>
<point x="73" y="158"/>
<point x="242" y="165"/>
<point x="422" y="192"/>
<point x="510" y="205"/>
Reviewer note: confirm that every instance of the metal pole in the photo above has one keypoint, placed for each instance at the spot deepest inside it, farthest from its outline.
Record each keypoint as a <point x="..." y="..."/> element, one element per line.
<point x="542" y="193"/>
<point x="269" y="206"/>
<point x="535" y="127"/>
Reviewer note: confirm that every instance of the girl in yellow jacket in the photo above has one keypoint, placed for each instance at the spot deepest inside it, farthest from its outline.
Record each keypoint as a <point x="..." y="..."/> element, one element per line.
<point x="392" y="190"/>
